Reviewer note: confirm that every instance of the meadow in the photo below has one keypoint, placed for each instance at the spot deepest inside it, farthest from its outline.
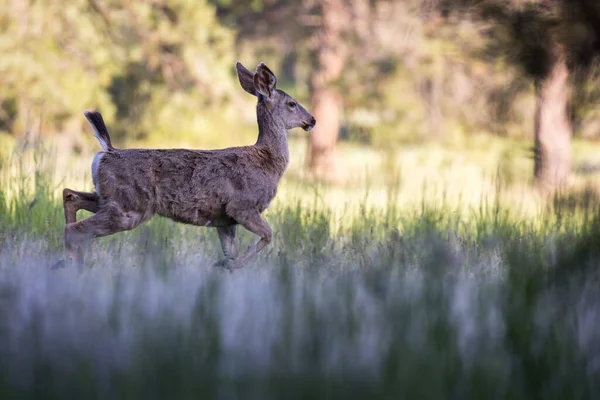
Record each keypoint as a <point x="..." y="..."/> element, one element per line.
<point x="433" y="272"/>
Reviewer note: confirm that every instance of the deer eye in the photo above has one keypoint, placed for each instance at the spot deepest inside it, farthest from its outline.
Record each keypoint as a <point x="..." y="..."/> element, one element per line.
<point x="292" y="104"/>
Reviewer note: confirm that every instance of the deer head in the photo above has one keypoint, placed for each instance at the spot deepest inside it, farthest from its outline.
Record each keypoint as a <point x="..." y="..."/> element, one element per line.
<point x="281" y="105"/>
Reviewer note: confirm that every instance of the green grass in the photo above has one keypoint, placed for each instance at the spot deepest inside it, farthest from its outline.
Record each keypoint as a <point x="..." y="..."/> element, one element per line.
<point x="355" y="299"/>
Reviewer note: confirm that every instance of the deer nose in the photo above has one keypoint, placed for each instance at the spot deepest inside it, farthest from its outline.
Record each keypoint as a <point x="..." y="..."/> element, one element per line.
<point x="308" y="126"/>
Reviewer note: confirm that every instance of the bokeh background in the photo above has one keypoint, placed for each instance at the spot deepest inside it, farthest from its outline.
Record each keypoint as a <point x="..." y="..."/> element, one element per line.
<point x="449" y="90"/>
<point x="436" y="236"/>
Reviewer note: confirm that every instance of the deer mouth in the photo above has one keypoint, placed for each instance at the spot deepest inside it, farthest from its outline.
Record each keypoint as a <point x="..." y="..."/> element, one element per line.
<point x="309" y="126"/>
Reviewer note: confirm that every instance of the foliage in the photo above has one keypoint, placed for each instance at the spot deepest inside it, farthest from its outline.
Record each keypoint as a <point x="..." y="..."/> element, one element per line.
<point x="417" y="70"/>
<point x="150" y="68"/>
<point x="54" y="60"/>
<point x="162" y="72"/>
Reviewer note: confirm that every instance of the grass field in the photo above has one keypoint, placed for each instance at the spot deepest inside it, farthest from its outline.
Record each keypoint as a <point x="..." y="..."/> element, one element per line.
<point x="468" y="286"/>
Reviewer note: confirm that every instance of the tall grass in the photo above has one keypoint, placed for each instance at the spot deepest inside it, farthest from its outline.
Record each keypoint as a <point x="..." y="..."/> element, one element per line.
<point x="434" y="301"/>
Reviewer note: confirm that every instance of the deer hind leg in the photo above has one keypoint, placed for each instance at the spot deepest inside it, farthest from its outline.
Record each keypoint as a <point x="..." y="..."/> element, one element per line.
<point x="251" y="220"/>
<point x="74" y="201"/>
<point x="105" y="222"/>
<point x="227" y="239"/>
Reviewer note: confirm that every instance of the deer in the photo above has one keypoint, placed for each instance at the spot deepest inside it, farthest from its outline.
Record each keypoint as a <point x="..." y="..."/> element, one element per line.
<point x="220" y="188"/>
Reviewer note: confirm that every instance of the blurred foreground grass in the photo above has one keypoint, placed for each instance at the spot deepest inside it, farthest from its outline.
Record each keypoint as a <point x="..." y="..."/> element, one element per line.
<point x="378" y="291"/>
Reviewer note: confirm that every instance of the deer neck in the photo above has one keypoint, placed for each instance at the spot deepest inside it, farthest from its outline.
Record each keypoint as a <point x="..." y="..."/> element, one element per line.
<point x="272" y="135"/>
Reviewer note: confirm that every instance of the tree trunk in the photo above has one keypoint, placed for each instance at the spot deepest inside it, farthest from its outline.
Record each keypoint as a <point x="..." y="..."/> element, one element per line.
<point x="552" y="150"/>
<point x="326" y="101"/>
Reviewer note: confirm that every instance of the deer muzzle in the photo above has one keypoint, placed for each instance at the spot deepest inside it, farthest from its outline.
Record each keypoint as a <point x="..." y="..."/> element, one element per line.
<point x="310" y="125"/>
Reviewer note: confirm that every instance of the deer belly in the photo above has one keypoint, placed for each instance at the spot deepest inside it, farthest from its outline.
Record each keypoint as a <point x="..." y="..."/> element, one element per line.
<point x="198" y="217"/>
<point x="199" y="220"/>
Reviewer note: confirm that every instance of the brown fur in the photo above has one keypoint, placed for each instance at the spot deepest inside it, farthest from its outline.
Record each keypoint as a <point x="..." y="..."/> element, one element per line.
<point x="215" y="188"/>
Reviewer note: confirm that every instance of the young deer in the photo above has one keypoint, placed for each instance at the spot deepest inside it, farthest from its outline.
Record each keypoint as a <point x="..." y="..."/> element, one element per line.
<point x="214" y="188"/>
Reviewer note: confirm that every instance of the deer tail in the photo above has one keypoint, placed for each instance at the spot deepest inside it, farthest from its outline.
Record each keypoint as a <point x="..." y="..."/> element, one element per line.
<point x="95" y="119"/>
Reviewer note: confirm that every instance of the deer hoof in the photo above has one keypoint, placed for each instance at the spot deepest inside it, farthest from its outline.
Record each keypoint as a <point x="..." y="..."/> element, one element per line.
<point x="221" y="263"/>
<point x="228" y="263"/>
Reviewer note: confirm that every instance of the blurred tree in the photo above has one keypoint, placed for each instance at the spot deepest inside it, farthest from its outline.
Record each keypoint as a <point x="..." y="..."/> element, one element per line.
<point x="142" y="63"/>
<point x="266" y="23"/>
<point x="326" y="100"/>
<point x="549" y="40"/>
<point x="54" y="61"/>
<point x="169" y="52"/>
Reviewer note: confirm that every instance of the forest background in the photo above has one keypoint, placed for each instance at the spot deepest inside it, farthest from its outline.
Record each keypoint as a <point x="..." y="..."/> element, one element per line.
<point x="448" y="91"/>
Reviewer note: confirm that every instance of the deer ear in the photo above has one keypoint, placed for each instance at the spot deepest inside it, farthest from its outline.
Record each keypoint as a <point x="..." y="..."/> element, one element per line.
<point x="246" y="78"/>
<point x="264" y="80"/>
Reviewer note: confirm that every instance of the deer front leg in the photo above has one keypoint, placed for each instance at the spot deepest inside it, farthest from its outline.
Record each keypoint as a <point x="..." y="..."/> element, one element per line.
<point x="227" y="239"/>
<point x="251" y="220"/>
